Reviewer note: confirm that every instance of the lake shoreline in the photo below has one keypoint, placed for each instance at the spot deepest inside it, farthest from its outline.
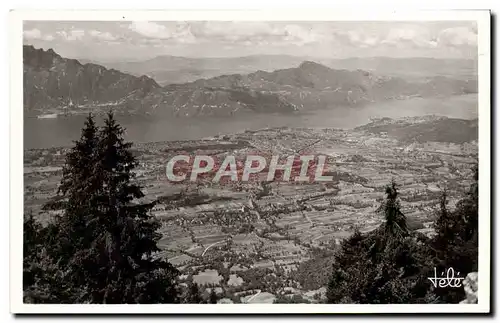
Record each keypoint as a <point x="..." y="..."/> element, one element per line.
<point x="60" y="132"/>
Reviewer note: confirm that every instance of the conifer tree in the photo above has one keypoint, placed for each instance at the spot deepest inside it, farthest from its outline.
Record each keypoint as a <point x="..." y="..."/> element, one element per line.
<point x="395" y="221"/>
<point x="79" y="161"/>
<point x="51" y="274"/>
<point x="456" y="241"/>
<point x="102" y="249"/>
<point x="78" y="191"/>
<point x="445" y="224"/>
<point x="383" y="266"/>
<point x="350" y="271"/>
<point x="121" y="267"/>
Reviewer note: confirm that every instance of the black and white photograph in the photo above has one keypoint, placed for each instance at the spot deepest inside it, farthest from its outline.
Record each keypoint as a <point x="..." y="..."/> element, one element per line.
<point x="293" y="163"/>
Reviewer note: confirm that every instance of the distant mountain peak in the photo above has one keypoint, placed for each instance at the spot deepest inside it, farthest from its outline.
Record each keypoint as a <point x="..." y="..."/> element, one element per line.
<point x="52" y="82"/>
<point x="31" y="49"/>
<point x="38" y="57"/>
<point x="312" y="65"/>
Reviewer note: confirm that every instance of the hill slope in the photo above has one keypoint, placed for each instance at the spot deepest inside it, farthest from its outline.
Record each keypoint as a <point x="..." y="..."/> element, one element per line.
<point x="175" y="70"/>
<point x="54" y="82"/>
<point x="306" y="87"/>
<point x="425" y="129"/>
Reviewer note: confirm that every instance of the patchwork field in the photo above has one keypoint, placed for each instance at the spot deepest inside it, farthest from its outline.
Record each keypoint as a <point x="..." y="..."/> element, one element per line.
<point x="250" y="239"/>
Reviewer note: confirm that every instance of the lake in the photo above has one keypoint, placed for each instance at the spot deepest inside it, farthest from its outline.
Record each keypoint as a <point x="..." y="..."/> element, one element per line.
<point x="45" y="133"/>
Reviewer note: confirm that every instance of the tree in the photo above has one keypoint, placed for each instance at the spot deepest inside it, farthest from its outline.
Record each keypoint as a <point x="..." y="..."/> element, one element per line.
<point x="445" y="224"/>
<point x="31" y="236"/>
<point x="121" y="266"/>
<point x="31" y="244"/>
<point x="455" y="244"/>
<point x="77" y="190"/>
<point x="351" y="269"/>
<point x="391" y="264"/>
<point x="384" y="266"/>
<point x="49" y="250"/>
<point x="193" y="295"/>
<point x="103" y="248"/>
<point x="213" y="298"/>
<point x="291" y="299"/>
<point x="43" y="281"/>
<point x="395" y="221"/>
<point x="79" y="161"/>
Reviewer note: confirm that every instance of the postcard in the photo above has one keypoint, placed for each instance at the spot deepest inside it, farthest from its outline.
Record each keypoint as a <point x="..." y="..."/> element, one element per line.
<point x="311" y="161"/>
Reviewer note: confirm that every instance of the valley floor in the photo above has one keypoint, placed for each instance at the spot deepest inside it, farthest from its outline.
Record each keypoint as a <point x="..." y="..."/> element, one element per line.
<point x="251" y="242"/>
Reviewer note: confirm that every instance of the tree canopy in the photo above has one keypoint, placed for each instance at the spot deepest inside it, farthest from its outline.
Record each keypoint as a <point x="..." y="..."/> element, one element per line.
<point x="102" y="248"/>
<point x="392" y="264"/>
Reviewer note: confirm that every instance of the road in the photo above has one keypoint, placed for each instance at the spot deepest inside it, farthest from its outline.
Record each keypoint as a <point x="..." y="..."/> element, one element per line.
<point x="210" y="246"/>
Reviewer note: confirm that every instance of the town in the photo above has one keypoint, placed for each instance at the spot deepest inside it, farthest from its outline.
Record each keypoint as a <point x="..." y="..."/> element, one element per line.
<point x="297" y="168"/>
<point x="261" y="240"/>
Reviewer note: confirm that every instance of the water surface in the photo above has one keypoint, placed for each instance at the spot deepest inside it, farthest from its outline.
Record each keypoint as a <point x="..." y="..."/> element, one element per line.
<point x="44" y="133"/>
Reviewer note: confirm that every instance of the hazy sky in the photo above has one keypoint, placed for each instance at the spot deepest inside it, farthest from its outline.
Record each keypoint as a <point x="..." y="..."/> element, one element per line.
<point x="140" y="40"/>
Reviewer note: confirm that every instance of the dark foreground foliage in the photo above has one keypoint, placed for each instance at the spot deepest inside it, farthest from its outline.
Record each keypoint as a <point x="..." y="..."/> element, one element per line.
<point x="391" y="264"/>
<point x="102" y="248"/>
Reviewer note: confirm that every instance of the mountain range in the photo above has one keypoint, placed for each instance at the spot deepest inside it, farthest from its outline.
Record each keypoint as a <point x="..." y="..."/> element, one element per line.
<point x="52" y="83"/>
<point x="173" y="69"/>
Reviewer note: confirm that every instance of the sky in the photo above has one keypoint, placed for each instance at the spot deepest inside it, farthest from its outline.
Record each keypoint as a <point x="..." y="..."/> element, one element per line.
<point x="140" y="40"/>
